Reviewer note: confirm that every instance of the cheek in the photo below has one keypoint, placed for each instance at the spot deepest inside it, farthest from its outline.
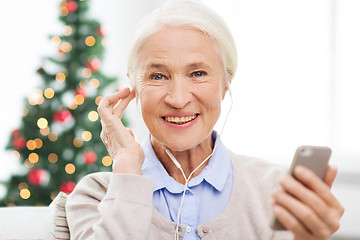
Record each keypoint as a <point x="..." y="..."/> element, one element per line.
<point x="210" y="96"/>
<point x="149" y="97"/>
<point x="145" y="93"/>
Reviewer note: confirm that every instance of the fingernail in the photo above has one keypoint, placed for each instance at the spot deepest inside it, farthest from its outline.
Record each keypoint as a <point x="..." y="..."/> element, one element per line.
<point x="300" y="170"/>
<point x="275" y="193"/>
<point x="276" y="209"/>
<point x="283" y="179"/>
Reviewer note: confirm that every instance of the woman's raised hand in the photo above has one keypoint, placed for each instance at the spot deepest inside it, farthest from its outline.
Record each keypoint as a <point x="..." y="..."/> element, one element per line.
<point x="126" y="153"/>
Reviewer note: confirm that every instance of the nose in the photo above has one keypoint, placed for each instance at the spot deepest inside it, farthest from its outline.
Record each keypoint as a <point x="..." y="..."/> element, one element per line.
<point x="179" y="93"/>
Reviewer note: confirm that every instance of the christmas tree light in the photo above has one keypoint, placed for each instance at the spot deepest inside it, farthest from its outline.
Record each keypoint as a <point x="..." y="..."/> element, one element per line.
<point x="58" y="141"/>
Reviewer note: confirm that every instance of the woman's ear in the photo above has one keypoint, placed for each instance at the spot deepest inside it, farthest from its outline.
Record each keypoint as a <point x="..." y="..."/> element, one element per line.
<point x="131" y="82"/>
<point x="133" y="86"/>
<point x="226" y="88"/>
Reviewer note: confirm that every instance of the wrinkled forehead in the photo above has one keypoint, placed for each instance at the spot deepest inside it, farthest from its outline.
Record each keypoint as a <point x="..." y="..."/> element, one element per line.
<point x="181" y="45"/>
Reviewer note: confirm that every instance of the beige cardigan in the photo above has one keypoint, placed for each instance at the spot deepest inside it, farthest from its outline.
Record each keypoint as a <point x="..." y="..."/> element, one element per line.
<point x="119" y="206"/>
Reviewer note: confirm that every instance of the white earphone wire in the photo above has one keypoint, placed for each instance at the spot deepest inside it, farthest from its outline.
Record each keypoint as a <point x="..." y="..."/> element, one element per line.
<point x="187" y="179"/>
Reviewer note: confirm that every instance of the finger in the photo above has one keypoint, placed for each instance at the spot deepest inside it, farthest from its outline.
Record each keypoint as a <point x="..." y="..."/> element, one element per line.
<point x="309" y="198"/>
<point x="309" y="179"/>
<point x="290" y="222"/>
<point x="304" y="214"/>
<point x="108" y="102"/>
<point x="112" y="99"/>
<point x="120" y="107"/>
<point x="330" y="175"/>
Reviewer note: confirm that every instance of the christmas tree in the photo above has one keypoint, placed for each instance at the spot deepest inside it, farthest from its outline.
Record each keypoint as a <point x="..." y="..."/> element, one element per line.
<point x="58" y="141"/>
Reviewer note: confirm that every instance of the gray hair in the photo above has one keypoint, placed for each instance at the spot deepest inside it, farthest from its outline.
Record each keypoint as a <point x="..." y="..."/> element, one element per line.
<point x="189" y="13"/>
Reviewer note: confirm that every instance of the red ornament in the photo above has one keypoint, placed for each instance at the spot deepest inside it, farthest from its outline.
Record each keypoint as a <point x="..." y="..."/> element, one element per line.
<point x="19" y="142"/>
<point x="37" y="177"/>
<point x="15" y="133"/>
<point x="89" y="157"/>
<point x="100" y="31"/>
<point x="93" y="64"/>
<point x="81" y="91"/>
<point x="62" y="116"/>
<point x="67" y="187"/>
<point x="71" y="6"/>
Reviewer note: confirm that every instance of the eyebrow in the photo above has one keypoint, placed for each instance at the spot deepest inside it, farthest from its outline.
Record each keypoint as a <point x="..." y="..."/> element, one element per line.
<point x="189" y="66"/>
<point x="155" y="66"/>
<point x="198" y="65"/>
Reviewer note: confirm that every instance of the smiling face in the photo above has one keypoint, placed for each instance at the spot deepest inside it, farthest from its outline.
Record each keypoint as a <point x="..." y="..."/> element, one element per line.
<point x="181" y="88"/>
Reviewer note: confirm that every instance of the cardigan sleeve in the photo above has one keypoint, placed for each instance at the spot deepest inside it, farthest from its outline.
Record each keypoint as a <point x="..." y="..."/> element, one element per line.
<point x="110" y="206"/>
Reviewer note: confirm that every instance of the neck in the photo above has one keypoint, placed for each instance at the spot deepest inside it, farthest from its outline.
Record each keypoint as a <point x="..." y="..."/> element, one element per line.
<point x="189" y="159"/>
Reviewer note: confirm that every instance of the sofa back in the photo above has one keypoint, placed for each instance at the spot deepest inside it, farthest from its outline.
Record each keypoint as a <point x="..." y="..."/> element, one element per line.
<point x="25" y="223"/>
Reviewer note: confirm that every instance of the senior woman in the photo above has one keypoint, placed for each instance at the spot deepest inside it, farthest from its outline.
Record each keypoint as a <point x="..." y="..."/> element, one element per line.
<point x="181" y="181"/>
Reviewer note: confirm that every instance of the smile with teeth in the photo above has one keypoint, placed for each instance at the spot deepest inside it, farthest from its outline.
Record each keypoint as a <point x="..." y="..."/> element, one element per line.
<point x="180" y="120"/>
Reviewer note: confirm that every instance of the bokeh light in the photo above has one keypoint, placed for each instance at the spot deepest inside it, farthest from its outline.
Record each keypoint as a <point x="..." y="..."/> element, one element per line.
<point x="16" y="154"/>
<point x="25" y="193"/>
<point x="98" y="100"/>
<point x="82" y="84"/>
<point x="79" y="99"/>
<point x="39" y="142"/>
<point x="42" y="123"/>
<point x="49" y="93"/>
<point x="94" y="83"/>
<point x="103" y="42"/>
<point x="60" y="77"/>
<point x="72" y="106"/>
<point x="65" y="47"/>
<point x="25" y="111"/>
<point x="56" y="40"/>
<point x="28" y="163"/>
<point x="90" y="41"/>
<point x="70" y="168"/>
<point x="86" y="72"/>
<point x="106" y="161"/>
<point x="31" y="145"/>
<point x="93" y="116"/>
<point x="33" y="158"/>
<point x="53" y="195"/>
<point x="64" y="10"/>
<point x="45" y="131"/>
<point x="53" y="158"/>
<point x="86" y="136"/>
<point x="67" y="30"/>
<point x="78" y="142"/>
<point x="53" y="136"/>
<point x="37" y="98"/>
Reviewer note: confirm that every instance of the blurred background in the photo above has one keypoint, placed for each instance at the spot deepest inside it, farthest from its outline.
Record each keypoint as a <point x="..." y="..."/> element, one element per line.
<point x="298" y="78"/>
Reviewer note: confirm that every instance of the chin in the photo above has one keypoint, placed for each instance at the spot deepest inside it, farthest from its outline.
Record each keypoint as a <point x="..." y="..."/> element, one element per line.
<point x="178" y="144"/>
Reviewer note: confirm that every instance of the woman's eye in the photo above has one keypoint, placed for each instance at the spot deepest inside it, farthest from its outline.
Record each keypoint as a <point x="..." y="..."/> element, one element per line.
<point x="156" y="76"/>
<point x="198" y="74"/>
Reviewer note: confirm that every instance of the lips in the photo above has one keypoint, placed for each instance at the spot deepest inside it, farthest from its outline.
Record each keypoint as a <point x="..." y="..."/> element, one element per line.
<point x="180" y="120"/>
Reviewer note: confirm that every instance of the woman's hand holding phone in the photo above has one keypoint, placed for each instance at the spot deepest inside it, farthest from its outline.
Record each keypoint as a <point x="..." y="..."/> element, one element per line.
<point x="305" y="204"/>
<point x="126" y="153"/>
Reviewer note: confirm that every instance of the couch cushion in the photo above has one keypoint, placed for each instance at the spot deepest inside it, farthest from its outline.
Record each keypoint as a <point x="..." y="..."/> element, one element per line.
<point x="25" y="223"/>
